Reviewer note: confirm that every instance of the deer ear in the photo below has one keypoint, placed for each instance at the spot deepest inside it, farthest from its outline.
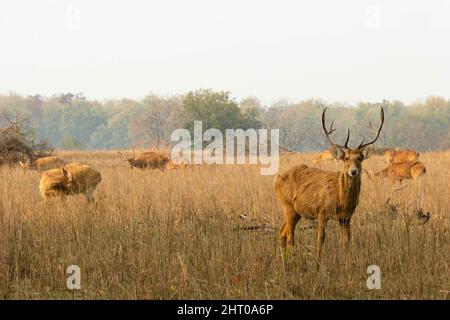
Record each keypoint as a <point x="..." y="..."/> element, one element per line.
<point x="67" y="174"/>
<point x="337" y="152"/>
<point x="367" y="152"/>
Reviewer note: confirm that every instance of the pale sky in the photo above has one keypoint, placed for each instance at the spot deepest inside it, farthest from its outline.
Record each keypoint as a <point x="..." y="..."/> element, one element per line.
<point x="344" y="51"/>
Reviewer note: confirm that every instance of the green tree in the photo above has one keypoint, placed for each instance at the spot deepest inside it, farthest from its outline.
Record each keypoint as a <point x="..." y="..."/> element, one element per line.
<point x="214" y="109"/>
<point x="70" y="143"/>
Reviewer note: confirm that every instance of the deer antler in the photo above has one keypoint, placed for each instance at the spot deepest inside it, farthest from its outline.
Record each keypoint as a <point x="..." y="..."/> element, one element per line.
<point x="121" y="155"/>
<point x="331" y="130"/>
<point x="363" y="145"/>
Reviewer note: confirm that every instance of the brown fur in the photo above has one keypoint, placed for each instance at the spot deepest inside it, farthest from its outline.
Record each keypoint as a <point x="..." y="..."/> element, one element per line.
<point x="174" y="166"/>
<point x="397" y="155"/>
<point x="150" y="160"/>
<point x="73" y="178"/>
<point x="44" y="163"/>
<point x="324" y="156"/>
<point x="322" y="195"/>
<point x="399" y="171"/>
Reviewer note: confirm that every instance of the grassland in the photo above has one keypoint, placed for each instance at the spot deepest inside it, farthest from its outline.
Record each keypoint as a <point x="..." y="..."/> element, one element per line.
<point x="180" y="235"/>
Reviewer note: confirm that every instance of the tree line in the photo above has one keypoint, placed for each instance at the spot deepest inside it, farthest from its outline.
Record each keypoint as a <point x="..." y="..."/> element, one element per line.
<point x="72" y="121"/>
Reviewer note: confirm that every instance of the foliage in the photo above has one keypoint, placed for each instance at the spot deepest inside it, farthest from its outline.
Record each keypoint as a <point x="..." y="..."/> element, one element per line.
<point x="148" y="122"/>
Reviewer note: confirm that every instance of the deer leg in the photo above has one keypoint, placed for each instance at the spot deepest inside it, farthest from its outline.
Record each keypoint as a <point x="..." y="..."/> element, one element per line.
<point x="288" y="228"/>
<point x="321" y="225"/>
<point x="419" y="194"/>
<point x="89" y="196"/>
<point x="283" y="235"/>
<point x="344" y="225"/>
<point x="290" y="224"/>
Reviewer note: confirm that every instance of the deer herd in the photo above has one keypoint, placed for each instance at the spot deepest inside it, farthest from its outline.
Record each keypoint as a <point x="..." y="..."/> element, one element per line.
<point x="303" y="191"/>
<point x="60" y="179"/>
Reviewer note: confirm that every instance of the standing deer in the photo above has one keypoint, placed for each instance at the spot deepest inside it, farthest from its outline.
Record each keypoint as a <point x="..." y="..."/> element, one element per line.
<point x="321" y="195"/>
<point x="151" y="160"/>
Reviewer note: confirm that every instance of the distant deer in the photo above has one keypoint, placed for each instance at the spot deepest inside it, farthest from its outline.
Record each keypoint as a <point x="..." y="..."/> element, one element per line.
<point x="326" y="155"/>
<point x="45" y="163"/>
<point x="150" y="160"/>
<point x="397" y="155"/>
<point x="174" y="166"/>
<point x="399" y="171"/>
<point x="321" y="195"/>
<point x="73" y="178"/>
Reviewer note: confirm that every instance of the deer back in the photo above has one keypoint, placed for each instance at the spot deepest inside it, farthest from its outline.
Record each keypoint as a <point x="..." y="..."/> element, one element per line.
<point x="309" y="190"/>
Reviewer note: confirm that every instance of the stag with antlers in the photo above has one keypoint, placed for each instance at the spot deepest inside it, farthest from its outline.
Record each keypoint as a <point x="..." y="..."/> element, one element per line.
<point x="321" y="195"/>
<point x="150" y="160"/>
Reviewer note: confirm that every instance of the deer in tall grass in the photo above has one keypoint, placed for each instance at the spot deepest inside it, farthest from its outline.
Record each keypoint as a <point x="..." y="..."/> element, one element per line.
<point x="150" y="160"/>
<point x="325" y="155"/>
<point x="321" y="195"/>
<point x="45" y="163"/>
<point x="73" y="178"/>
<point x="407" y="170"/>
<point x="397" y="155"/>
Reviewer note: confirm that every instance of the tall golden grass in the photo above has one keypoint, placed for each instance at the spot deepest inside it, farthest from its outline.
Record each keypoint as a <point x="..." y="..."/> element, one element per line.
<point x="181" y="235"/>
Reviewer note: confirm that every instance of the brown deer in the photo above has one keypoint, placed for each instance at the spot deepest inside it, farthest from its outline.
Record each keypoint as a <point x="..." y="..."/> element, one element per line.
<point x="45" y="163"/>
<point x="73" y="178"/>
<point x="150" y="160"/>
<point x="397" y="155"/>
<point x="399" y="171"/>
<point x="174" y="166"/>
<point x="326" y="155"/>
<point x="321" y="195"/>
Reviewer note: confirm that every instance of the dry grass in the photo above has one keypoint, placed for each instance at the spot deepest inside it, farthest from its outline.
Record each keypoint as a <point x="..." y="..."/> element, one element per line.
<point x="177" y="235"/>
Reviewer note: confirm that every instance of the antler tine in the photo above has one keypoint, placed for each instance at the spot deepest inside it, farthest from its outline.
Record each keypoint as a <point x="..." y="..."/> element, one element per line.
<point x="363" y="145"/>
<point x="327" y="133"/>
<point x="331" y="130"/>
<point x="348" y="138"/>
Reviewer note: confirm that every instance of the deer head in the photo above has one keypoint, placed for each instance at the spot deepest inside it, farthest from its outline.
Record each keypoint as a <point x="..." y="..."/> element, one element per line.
<point x="352" y="157"/>
<point x="68" y="178"/>
<point x="27" y="164"/>
<point x="130" y="160"/>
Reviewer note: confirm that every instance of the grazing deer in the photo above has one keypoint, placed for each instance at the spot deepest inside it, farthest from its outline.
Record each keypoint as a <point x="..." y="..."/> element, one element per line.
<point x="399" y="171"/>
<point x="46" y="163"/>
<point x="73" y="178"/>
<point x="397" y="155"/>
<point x="321" y="195"/>
<point x="151" y="160"/>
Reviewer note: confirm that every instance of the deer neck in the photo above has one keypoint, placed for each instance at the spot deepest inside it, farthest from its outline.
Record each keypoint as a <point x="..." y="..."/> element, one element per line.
<point x="349" y="188"/>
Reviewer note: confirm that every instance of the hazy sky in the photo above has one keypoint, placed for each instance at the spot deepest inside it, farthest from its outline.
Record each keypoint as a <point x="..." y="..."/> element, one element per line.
<point x="343" y="51"/>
